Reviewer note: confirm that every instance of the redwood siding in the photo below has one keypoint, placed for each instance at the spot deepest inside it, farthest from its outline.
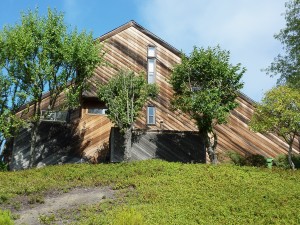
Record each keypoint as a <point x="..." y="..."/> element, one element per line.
<point x="127" y="49"/>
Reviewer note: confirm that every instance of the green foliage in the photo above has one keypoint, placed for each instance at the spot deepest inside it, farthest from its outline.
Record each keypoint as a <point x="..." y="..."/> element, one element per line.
<point x="5" y="217"/>
<point x="129" y="217"/>
<point x="47" y="220"/>
<point x="216" y="82"/>
<point x="36" y="198"/>
<point x="125" y="95"/>
<point x="40" y="54"/>
<point x="236" y="158"/>
<point x="283" y="162"/>
<point x="3" y="198"/>
<point x="171" y="193"/>
<point x="206" y="85"/>
<point x="287" y="64"/>
<point x="248" y="160"/>
<point x="3" y="166"/>
<point x="11" y="98"/>
<point x="255" y="160"/>
<point x="279" y="113"/>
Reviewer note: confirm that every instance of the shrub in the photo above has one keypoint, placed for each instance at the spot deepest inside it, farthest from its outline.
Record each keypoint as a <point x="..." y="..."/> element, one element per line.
<point x="248" y="160"/>
<point x="129" y="217"/>
<point x="3" y="166"/>
<point x="283" y="162"/>
<point x="5" y="217"/>
<point x="36" y="199"/>
<point x="44" y="219"/>
<point x="236" y="158"/>
<point x="255" y="160"/>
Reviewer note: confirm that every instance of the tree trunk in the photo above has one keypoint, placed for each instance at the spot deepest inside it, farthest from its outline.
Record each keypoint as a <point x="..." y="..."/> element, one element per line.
<point x="1" y="149"/>
<point x="292" y="165"/>
<point x="213" y="147"/>
<point x="127" y="144"/>
<point x="33" y="142"/>
<point x="209" y="146"/>
<point x="7" y="150"/>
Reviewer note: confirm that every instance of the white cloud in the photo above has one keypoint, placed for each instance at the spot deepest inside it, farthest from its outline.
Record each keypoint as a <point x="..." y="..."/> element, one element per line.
<point x="243" y="27"/>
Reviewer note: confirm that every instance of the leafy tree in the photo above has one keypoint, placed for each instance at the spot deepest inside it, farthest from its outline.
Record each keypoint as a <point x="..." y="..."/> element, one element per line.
<point x="279" y="113"/>
<point x="11" y="99"/>
<point x="205" y="86"/>
<point x="125" y="95"/>
<point x="40" y="55"/>
<point x="287" y="64"/>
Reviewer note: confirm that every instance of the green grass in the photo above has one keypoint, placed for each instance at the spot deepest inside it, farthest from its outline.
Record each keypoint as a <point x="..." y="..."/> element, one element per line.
<point x="158" y="192"/>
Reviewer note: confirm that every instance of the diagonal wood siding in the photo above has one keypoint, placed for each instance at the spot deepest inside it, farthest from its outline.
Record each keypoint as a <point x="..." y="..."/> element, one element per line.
<point x="126" y="48"/>
<point x="171" y="146"/>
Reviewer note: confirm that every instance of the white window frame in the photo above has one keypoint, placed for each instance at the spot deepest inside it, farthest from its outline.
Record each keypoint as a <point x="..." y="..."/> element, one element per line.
<point x="101" y="111"/>
<point x="151" y="75"/>
<point x="151" y="57"/>
<point x="148" y="115"/>
<point x="151" y="49"/>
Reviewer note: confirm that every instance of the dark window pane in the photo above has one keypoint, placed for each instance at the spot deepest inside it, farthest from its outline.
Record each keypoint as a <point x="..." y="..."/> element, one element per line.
<point x="99" y="111"/>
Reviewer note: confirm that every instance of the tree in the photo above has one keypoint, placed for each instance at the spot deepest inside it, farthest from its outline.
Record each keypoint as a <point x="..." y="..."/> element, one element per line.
<point x="12" y="98"/>
<point x="205" y="86"/>
<point x="125" y="95"/>
<point x="279" y="113"/>
<point x="40" y="55"/>
<point x="287" y="64"/>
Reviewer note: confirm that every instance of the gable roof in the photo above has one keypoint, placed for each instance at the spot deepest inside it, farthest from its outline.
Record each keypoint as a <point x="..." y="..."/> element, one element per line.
<point x="137" y="26"/>
<point x="134" y="24"/>
<point x="151" y="35"/>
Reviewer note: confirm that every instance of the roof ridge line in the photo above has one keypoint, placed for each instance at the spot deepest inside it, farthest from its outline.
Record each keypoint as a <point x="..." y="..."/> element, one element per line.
<point x="144" y="31"/>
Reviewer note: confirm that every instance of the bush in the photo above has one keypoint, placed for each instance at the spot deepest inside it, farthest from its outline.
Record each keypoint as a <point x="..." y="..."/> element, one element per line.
<point x="5" y="217"/>
<point x="248" y="160"/>
<point x="283" y="162"/>
<point x="129" y="217"/>
<point x="3" y="166"/>
<point x="255" y="160"/>
<point x="236" y="158"/>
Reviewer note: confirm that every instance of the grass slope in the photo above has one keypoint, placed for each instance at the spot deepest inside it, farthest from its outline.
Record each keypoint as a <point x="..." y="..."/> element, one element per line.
<point x="158" y="192"/>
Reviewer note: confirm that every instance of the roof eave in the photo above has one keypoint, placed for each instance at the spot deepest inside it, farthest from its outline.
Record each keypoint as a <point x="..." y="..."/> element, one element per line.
<point x="132" y="23"/>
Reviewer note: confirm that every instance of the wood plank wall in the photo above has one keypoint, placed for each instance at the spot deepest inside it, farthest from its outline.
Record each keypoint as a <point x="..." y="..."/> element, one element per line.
<point x="175" y="146"/>
<point x="95" y="131"/>
<point x="127" y="49"/>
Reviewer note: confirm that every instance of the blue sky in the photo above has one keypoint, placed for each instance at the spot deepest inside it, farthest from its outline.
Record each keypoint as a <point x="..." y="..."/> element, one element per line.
<point x="243" y="27"/>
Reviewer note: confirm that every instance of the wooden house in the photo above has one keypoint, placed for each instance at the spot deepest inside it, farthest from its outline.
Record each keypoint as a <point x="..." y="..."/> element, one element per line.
<point x="133" y="47"/>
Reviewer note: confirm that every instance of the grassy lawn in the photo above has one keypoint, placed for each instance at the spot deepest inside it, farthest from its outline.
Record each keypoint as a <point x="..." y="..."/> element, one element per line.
<point x="158" y="192"/>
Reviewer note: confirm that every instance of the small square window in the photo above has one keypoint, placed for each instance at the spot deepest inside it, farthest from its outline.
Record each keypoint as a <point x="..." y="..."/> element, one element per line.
<point x="151" y="115"/>
<point x="151" y="51"/>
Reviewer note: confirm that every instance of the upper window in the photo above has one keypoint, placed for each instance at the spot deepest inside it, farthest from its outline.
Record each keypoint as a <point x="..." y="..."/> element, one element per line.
<point x="151" y="51"/>
<point x="97" y="111"/>
<point x="151" y="64"/>
<point x="151" y="115"/>
<point x="151" y="71"/>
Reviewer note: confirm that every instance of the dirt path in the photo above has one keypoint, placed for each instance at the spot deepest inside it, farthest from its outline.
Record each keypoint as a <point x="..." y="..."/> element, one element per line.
<point x="70" y="200"/>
